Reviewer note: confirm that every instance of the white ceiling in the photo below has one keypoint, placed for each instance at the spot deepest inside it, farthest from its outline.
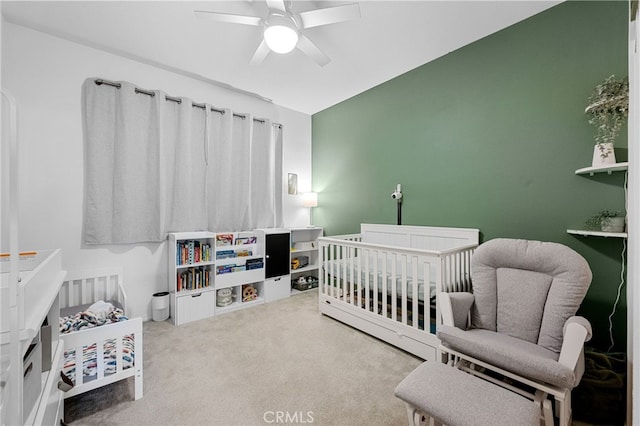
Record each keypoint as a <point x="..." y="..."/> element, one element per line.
<point x="390" y="38"/>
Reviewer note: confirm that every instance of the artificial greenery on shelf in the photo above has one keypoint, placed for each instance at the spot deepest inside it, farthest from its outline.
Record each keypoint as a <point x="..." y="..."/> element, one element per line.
<point x="594" y="223"/>
<point x="608" y="109"/>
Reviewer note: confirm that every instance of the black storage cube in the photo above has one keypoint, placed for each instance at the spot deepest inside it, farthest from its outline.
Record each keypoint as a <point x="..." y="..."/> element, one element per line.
<point x="277" y="250"/>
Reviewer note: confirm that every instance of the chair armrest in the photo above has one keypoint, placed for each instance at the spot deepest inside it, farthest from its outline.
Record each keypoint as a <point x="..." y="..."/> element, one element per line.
<point x="577" y="331"/>
<point x="455" y="308"/>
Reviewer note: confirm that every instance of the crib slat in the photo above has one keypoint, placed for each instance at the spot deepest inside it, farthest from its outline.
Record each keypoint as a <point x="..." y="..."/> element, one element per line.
<point x="336" y="272"/>
<point x="100" y="359"/>
<point x="119" y="353"/>
<point x="426" y="271"/>
<point x="323" y="274"/>
<point x="405" y="288"/>
<point x="367" y="298"/>
<point x="393" y="257"/>
<point x="359" y="278"/>
<point x="414" y="291"/>
<point x="332" y="274"/>
<point x="336" y="280"/>
<point x="376" y="289"/>
<point x="352" y="283"/>
<point x="383" y="279"/>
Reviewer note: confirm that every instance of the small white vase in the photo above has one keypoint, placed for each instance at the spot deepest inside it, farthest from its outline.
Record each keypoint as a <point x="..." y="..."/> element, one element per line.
<point x="603" y="154"/>
<point x="612" y="224"/>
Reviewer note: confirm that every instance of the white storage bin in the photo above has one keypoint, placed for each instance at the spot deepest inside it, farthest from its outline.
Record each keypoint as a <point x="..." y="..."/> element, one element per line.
<point x="196" y="306"/>
<point x="277" y="288"/>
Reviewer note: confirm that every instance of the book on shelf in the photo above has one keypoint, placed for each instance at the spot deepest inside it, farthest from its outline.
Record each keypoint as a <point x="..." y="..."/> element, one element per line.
<point x="227" y="269"/>
<point x="250" y="264"/>
<point x="225" y="254"/>
<point x="246" y="240"/>
<point x="224" y="240"/>
<point x="224" y="269"/>
<point x="192" y="252"/>
<point x="228" y="254"/>
<point x="193" y="279"/>
<point x="254" y="264"/>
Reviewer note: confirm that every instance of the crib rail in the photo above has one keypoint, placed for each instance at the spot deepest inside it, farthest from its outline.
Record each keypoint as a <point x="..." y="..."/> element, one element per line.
<point x="90" y="285"/>
<point x="105" y="349"/>
<point x="101" y="355"/>
<point x="397" y="284"/>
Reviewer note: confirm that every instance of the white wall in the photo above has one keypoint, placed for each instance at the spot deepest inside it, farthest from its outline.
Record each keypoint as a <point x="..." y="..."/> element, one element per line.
<point x="45" y="74"/>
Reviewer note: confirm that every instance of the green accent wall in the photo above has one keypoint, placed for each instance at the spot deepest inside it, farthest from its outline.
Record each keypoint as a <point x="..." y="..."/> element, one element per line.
<point x="488" y="136"/>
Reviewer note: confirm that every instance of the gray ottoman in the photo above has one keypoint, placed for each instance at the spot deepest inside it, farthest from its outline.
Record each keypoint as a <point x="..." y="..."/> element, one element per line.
<point x="455" y="398"/>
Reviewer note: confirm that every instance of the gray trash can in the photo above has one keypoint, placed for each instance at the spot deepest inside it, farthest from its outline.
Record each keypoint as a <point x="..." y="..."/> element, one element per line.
<point x="160" y="306"/>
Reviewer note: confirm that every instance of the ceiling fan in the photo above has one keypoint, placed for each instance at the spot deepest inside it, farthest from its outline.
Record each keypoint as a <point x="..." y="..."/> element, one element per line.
<point x="282" y="29"/>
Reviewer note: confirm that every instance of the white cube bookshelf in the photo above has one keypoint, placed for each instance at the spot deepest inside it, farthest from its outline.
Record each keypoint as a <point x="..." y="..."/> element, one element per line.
<point x="201" y="263"/>
<point x="304" y="245"/>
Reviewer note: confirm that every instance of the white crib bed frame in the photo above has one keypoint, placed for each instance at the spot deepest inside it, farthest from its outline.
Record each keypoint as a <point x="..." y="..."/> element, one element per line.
<point x="399" y="252"/>
<point x="88" y="286"/>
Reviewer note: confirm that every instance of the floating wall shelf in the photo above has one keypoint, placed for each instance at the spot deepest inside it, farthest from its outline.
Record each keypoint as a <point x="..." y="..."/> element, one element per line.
<point x="607" y="168"/>
<point x="597" y="233"/>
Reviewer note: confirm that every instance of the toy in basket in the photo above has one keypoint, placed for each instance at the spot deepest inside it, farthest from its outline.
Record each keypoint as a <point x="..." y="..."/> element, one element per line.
<point x="305" y="283"/>
<point x="249" y="293"/>
<point x="225" y="296"/>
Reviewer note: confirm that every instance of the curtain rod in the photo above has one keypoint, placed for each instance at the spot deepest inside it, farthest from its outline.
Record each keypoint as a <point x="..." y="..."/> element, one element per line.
<point x="100" y="81"/>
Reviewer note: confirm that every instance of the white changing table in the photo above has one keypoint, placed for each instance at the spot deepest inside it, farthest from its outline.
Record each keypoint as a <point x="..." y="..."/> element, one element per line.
<point x="28" y="395"/>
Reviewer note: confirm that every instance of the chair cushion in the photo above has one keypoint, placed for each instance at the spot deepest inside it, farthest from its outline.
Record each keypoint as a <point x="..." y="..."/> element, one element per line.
<point x="456" y="398"/>
<point x="522" y="295"/>
<point x="556" y="279"/>
<point x="518" y="356"/>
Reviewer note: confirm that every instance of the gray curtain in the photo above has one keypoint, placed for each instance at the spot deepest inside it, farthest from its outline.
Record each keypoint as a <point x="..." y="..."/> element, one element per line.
<point x="122" y="164"/>
<point x="184" y="166"/>
<point x="154" y="166"/>
<point x="265" y="202"/>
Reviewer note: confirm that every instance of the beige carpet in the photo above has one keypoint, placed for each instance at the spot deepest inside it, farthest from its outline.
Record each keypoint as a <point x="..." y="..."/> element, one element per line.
<point x="278" y="363"/>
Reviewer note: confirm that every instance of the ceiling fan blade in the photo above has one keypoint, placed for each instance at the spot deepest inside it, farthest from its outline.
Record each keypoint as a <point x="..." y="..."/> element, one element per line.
<point x="226" y="17"/>
<point x="261" y="52"/>
<point x="330" y="15"/>
<point x="311" y="50"/>
<point x="277" y="5"/>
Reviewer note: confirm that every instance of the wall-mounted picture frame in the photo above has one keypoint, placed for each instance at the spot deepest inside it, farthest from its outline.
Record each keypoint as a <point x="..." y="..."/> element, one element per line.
<point x="293" y="183"/>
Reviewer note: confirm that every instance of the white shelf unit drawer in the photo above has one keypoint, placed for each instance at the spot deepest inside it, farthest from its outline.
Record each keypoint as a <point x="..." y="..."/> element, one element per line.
<point x="277" y="288"/>
<point x="194" y="306"/>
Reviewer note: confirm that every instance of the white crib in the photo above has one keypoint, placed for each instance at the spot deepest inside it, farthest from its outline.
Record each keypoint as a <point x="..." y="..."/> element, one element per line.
<point x="384" y="281"/>
<point x="108" y="346"/>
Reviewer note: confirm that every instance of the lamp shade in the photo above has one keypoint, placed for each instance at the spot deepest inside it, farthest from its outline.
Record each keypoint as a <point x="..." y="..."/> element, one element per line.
<point x="281" y="34"/>
<point x="310" y="199"/>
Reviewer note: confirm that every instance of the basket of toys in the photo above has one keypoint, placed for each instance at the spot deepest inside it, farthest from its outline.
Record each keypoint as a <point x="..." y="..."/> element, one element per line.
<point x="304" y="283"/>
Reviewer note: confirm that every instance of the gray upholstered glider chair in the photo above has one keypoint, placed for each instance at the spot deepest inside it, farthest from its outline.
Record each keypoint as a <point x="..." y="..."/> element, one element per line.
<point x="520" y="323"/>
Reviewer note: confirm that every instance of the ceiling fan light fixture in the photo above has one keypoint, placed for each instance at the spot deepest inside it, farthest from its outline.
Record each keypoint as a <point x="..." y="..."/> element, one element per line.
<point x="280" y="39"/>
<point x="281" y="33"/>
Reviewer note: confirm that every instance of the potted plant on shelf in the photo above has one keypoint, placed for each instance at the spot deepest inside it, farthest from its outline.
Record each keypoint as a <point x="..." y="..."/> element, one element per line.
<point x="608" y="108"/>
<point x="606" y="221"/>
